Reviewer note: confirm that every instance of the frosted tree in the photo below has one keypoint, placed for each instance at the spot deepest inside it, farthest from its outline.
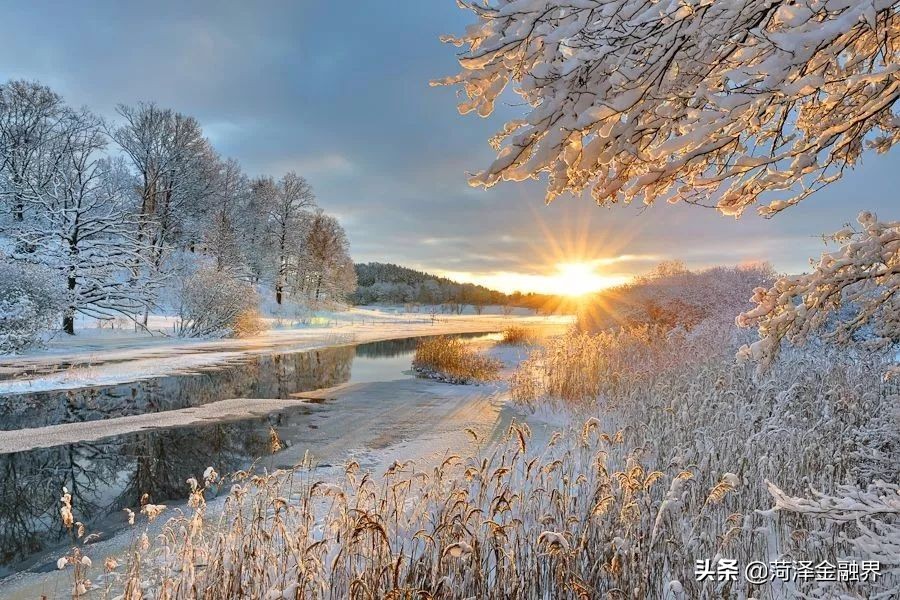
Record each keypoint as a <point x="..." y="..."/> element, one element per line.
<point x="325" y="271"/>
<point x="30" y="119"/>
<point x="290" y="201"/>
<point x="81" y="225"/>
<point x="177" y="171"/>
<point x="222" y="236"/>
<point x="707" y="102"/>
<point x="725" y="104"/>
<point x="849" y="290"/>
<point x="257" y="242"/>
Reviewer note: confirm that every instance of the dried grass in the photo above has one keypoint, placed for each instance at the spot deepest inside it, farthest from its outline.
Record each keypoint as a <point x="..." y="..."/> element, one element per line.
<point x="671" y="468"/>
<point x="452" y="359"/>
<point x="516" y="335"/>
<point x="248" y="323"/>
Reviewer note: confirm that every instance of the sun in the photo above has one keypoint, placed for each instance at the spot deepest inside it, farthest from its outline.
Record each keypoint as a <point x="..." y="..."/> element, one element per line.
<point x="577" y="279"/>
<point x="567" y="261"/>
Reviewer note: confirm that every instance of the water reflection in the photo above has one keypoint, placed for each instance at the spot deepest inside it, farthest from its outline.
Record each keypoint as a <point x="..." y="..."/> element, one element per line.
<point x="107" y="475"/>
<point x="262" y="376"/>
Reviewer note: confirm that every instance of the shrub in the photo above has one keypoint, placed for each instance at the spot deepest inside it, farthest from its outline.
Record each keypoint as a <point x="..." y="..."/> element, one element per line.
<point x="248" y="323"/>
<point x="516" y="335"/>
<point x="672" y="296"/>
<point x="29" y="302"/>
<point x="214" y="304"/>
<point x="452" y="360"/>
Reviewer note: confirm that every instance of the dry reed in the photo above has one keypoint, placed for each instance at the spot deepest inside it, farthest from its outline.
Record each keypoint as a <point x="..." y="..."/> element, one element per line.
<point x="671" y="469"/>
<point x="453" y="360"/>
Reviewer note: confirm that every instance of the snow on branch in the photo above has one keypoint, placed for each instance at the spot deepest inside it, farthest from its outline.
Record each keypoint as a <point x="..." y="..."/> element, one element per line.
<point x="861" y="280"/>
<point x="880" y="499"/>
<point x="689" y="100"/>
<point x="871" y="514"/>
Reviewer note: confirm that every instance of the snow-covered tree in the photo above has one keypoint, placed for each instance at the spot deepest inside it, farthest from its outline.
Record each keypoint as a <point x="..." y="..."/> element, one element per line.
<point x="255" y="230"/>
<point x="222" y="228"/>
<point x="291" y="198"/>
<point x="861" y="280"/>
<point x="177" y="171"/>
<point x="81" y="225"/>
<point x="695" y="100"/>
<point x="727" y="104"/>
<point x="30" y="119"/>
<point x="325" y="270"/>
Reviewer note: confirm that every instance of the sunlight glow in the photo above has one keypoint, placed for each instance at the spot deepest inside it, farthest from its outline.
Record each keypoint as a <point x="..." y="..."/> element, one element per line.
<point x="573" y="258"/>
<point x="569" y="279"/>
<point x="578" y="279"/>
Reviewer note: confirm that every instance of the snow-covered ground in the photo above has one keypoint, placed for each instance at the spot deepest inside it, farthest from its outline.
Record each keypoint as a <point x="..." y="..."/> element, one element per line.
<point x="105" y="356"/>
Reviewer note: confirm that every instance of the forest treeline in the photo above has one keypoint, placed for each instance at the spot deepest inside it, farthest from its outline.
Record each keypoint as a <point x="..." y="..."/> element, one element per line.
<point x="140" y="214"/>
<point x="385" y="283"/>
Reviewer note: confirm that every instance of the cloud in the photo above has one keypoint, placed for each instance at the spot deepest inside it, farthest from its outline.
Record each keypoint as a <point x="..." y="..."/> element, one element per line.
<point x="342" y="97"/>
<point x="311" y="166"/>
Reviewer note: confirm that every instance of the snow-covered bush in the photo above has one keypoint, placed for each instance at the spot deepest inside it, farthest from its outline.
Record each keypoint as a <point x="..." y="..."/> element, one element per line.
<point x="671" y="296"/>
<point x="214" y="304"/>
<point x="29" y="303"/>
<point x="850" y="289"/>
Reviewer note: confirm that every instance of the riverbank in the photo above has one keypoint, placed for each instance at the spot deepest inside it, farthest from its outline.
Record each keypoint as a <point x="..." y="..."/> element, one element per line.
<point x="108" y="357"/>
<point x="373" y="423"/>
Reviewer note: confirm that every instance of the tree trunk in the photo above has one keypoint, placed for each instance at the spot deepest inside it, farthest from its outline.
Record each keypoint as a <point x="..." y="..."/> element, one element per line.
<point x="278" y="294"/>
<point x="69" y="316"/>
<point x="69" y="322"/>
<point x="18" y="203"/>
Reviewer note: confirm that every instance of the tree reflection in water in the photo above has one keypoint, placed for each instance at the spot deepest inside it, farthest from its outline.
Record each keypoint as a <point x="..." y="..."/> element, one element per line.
<point x="110" y="474"/>
<point x="107" y="475"/>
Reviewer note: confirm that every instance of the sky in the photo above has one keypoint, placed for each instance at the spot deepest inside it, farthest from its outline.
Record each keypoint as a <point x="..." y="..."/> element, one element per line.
<point x="338" y="92"/>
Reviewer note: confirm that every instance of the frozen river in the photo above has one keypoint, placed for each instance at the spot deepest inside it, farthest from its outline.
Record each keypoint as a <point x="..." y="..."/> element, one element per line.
<point x="111" y="444"/>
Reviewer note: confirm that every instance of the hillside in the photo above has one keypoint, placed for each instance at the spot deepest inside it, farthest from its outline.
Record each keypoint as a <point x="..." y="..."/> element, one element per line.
<point x="384" y="283"/>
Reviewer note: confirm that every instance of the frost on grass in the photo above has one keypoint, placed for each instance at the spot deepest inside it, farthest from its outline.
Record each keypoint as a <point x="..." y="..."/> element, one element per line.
<point x="452" y="360"/>
<point x="672" y="467"/>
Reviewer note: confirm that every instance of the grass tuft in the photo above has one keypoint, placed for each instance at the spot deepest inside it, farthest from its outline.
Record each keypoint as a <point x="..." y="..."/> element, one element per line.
<point x="516" y="335"/>
<point x="453" y="360"/>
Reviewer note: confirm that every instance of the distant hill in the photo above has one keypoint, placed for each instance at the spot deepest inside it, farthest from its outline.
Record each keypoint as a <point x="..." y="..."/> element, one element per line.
<point x="383" y="283"/>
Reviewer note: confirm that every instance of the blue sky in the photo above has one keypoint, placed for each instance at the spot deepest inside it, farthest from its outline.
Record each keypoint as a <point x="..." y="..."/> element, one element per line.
<point x="339" y="93"/>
